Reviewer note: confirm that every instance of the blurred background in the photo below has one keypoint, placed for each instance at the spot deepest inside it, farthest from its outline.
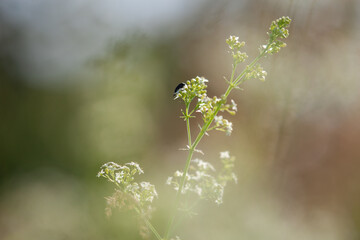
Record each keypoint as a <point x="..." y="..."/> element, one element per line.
<point x="87" y="82"/>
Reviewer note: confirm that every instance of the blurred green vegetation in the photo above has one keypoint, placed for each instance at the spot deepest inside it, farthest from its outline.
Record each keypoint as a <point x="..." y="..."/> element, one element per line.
<point x="296" y="136"/>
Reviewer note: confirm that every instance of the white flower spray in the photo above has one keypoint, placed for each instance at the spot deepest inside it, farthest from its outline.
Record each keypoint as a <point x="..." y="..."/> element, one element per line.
<point x="198" y="176"/>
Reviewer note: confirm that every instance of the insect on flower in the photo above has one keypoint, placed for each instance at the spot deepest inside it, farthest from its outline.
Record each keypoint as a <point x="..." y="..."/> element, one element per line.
<point x="178" y="88"/>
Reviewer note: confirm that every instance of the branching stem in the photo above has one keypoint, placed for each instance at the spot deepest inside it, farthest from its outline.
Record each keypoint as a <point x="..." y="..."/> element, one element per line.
<point x="192" y="146"/>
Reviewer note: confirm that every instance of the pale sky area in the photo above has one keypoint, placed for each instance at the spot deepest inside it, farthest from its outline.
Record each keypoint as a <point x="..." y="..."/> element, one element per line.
<point x="58" y="37"/>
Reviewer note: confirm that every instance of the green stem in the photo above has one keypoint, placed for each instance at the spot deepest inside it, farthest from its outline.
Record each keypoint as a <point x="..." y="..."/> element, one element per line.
<point x="238" y="80"/>
<point x="188" y="160"/>
<point x="186" y="169"/>
<point x="192" y="146"/>
<point x="150" y="226"/>
<point x="188" y="124"/>
<point x="182" y="217"/>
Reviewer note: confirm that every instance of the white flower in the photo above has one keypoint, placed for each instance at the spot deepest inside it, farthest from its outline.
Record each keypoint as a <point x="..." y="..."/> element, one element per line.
<point x="202" y="80"/>
<point x="118" y="177"/>
<point x="204" y="98"/>
<point x="216" y="99"/>
<point x="234" y="38"/>
<point x="101" y="173"/>
<point x="204" y="165"/>
<point x="169" y="180"/>
<point x="185" y="188"/>
<point x="150" y="191"/>
<point x="225" y="154"/>
<point x="234" y="105"/>
<point x="136" y="165"/>
<point x="198" y="190"/>
<point x="202" y="108"/>
<point x="219" y="120"/>
<point x="146" y="185"/>
<point x="233" y="175"/>
<point x="137" y="196"/>
<point x="219" y="200"/>
<point x="228" y="128"/>
<point x="178" y="173"/>
<point x="263" y="75"/>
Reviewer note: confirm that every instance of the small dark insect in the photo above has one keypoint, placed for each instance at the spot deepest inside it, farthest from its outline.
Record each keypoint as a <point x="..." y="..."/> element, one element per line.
<point x="178" y="88"/>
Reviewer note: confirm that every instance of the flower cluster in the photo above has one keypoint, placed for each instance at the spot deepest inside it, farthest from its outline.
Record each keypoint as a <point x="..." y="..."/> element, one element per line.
<point x="195" y="87"/>
<point x="226" y="174"/>
<point x="230" y="108"/>
<point x="256" y="72"/>
<point x="222" y="124"/>
<point x="129" y="194"/>
<point x="278" y="29"/>
<point x="206" y="106"/>
<point x="201" y="179"/>
<point x="234" y="43"/>
<point x="235" y="46"/>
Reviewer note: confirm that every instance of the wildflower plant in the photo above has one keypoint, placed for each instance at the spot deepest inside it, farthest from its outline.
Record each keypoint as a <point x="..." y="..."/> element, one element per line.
<point x="198" y="177"/>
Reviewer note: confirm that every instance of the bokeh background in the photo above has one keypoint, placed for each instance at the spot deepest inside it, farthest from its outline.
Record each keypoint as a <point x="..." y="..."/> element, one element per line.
<point x="86" y="82"/>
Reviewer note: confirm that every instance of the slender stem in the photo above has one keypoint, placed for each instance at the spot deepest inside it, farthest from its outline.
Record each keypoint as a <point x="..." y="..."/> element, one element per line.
<point x="182" y="182"/>
<point x="188" y="124"/>
<point x="188" y="160"/>
<point x="233" y="71"/>
<point x="182" y="217"/>
<point x="151" y="227"/>
<point x="178" y="194"/>
<point x="238" y="80"/>
<point x="192" y="146"/>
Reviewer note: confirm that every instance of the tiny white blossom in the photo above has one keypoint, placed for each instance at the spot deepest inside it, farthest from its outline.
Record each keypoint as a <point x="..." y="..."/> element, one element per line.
<point x="169" y="180"/>
<point x="216" y="99"/>
<point x="234" y="38"/>
<point x="118" y="177"/>
<point x="186" y="188"/>
<point x="225" y="154"/>
<point x="233" y="175"/>
<point x="198" y="190"/>
<point x="219" y="200"/>
<point x="137" y="196"/>
<point x="229" y="128"/>
<point x="202" y="80"/>
<point x="101" y="173"/>
<point x="197" y="176"/>
<point x="203" y="108"/>
<point x="234" y="105"/>
<point x="134" y="186"/>
<point x="178" y="173"/>
<point x="145" y="184"/>
<point x="136" y="165"/>
<point x="219" y="119"/>
<point x="263" y="75"/>
<point x="204" y="165"/>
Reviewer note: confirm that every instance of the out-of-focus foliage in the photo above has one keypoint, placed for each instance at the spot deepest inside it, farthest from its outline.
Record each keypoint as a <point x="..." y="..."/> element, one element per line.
<point x="203" y="181"/>
<point x="296" y="136"/>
